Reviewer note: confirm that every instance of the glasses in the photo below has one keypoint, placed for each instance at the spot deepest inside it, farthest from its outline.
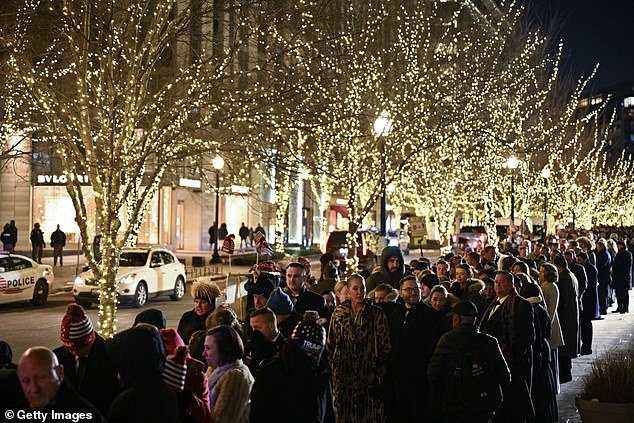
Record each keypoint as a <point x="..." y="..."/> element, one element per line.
<point x="410" y="290"/>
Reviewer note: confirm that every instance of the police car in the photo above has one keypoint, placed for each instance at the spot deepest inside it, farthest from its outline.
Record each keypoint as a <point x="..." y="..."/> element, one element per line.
<point x="22" y="279"/>
<point x="143" y="274"/>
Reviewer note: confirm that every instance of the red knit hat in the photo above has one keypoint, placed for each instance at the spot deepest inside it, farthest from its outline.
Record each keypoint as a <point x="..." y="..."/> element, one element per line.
<point x="76" y="326"/>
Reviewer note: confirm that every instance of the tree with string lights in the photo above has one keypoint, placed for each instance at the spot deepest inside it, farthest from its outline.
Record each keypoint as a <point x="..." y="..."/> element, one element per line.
<point x="122" y="91"/>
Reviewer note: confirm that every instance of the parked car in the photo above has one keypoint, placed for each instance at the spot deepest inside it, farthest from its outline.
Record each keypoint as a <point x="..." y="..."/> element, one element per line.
<point x="143" y="274"/>
<point x="475" y="237"/>
<point x="22" y="279"/>
<point x="337" y="244"/>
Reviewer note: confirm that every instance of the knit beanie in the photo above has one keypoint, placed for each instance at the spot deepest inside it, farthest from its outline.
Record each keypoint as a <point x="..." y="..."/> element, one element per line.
<point x="280" y="302"/>
<point x="430" y="280"/>
<point x="309" y="336"/>
<point x="76" y="327"/>
<point x="151" y="316"/>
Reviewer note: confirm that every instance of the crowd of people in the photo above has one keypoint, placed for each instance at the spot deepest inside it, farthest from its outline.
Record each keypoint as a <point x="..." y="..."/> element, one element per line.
<point x="476" y="338"/>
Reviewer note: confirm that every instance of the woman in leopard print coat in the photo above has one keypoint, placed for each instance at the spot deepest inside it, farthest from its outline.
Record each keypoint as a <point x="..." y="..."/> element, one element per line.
<point x="358" y="345"/>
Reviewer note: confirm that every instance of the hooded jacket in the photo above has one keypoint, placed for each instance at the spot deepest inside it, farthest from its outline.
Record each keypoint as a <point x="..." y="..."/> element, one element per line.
<point x="139" y="355"/>
<point x="385" y="276"/>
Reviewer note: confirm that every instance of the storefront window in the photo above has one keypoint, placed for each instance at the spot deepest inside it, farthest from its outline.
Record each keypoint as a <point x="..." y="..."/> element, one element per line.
<point x="52" y="206"/>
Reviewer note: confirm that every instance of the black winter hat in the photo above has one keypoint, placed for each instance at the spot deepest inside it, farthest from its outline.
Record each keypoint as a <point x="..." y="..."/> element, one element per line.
<point x="466" y="308"/>
<point x="264" y="284"/>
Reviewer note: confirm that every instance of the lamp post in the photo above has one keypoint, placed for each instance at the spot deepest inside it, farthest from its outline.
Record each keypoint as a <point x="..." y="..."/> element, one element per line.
<point x="512" y="163"/>
<point x="383" y="128"/>
<point x="218" y="163"/>
<point x="573" y="188"/>
<point x="545" y="175"/>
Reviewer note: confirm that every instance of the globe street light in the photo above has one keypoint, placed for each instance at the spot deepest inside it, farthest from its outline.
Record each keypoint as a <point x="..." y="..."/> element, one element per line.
<point x="545" y="175"/>
<point x="383" y="128"/>
<point x="218" y="163"/>
<point x="512" y="163"/>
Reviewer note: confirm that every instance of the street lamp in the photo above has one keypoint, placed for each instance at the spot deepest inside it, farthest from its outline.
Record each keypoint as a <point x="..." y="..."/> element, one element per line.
<point x="512" y="163"/>
<point x="218" y="163"/>
<point x="383" y="128"/>
<point x="545" y="175"/>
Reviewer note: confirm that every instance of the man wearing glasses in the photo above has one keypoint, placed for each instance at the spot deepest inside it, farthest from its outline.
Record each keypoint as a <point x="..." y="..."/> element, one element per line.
<point x="415" y="329"/>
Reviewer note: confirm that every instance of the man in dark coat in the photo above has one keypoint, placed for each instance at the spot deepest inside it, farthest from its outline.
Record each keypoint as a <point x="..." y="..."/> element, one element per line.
<point x="58" y="242"/>
<point x="442" y="366"/>
<point x="45" y="390"/>
<point x="604" y="265"/>
<point x="415" y="329"/>
<point x="590" y="302"/>
<point x="14" y="235"/>
<point x="568" y="312"/>
<point x="510" y="320"/>
<point x="266" y="340"/>
<point x="243" y="232"/>
<point x="37" y="243"/>
<point x="302" y="298"/>
<point x="622" y="277"/>
<point x="87" y="364"/>
<point x="298" y="372"/>
<point x="392" y="269"/>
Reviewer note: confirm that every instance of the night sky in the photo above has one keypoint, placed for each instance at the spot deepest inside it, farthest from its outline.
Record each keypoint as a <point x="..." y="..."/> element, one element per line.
<point x="593" y="31"/>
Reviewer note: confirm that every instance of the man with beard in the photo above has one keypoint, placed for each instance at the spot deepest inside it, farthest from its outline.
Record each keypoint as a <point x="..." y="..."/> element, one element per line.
<point x="392" y="269"/>
<point x="510" y="320"/>
<point x="415" y="329"/>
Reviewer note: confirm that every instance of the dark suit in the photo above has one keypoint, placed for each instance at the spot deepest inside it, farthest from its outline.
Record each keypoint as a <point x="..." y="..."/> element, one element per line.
<point x="309" y="300"/>
<point x="99" y="384"/>
<point x="414" y="334"/>
<point x="604" y="264"/>
<point x="590" y="311"/>
<point x="622" y="279"/>
<point x="515" y="336"/>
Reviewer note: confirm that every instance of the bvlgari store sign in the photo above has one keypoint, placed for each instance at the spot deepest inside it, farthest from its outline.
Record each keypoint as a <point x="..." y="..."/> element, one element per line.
<point x="54" y="180"/>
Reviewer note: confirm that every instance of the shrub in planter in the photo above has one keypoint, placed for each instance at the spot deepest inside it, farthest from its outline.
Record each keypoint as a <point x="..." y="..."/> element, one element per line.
<point x="608" y="390"/>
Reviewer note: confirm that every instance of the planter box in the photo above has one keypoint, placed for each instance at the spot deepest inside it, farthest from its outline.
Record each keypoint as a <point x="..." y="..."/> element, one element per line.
<point x="604" y="412"/>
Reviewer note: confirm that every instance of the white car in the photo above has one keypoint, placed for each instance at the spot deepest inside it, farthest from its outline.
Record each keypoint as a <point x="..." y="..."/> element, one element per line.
<point x="143" y="274"/>
<point x="22" y="279"/>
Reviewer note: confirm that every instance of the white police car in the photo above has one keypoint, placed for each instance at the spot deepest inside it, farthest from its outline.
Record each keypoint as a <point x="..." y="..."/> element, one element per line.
<point x="143" y="274"/>
<point x="22" y="279"/>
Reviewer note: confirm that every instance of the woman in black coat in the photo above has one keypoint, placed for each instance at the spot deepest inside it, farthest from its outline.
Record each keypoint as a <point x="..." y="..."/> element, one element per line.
<point x="604" y="265"/>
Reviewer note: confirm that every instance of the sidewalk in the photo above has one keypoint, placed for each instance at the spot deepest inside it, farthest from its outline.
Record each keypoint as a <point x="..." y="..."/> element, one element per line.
<point x="614" y="331"/>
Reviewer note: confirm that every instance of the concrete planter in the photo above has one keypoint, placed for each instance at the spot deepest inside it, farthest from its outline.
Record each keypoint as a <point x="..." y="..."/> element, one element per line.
<point x="602" y="412"/>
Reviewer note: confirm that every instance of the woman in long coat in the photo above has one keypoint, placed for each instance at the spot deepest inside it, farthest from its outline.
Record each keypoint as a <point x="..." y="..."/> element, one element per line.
<point x="358" y="345"/>
<point x="548" y="278"/>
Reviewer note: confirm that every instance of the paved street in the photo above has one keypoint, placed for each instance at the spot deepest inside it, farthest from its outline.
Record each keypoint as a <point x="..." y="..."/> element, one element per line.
<point x="24" y="326"/>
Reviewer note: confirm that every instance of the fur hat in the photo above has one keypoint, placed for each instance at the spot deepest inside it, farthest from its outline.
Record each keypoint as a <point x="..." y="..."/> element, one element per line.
<point x="280" y="302"/>
<point x="76" y="327"/>
<point x="206" y="291"/>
